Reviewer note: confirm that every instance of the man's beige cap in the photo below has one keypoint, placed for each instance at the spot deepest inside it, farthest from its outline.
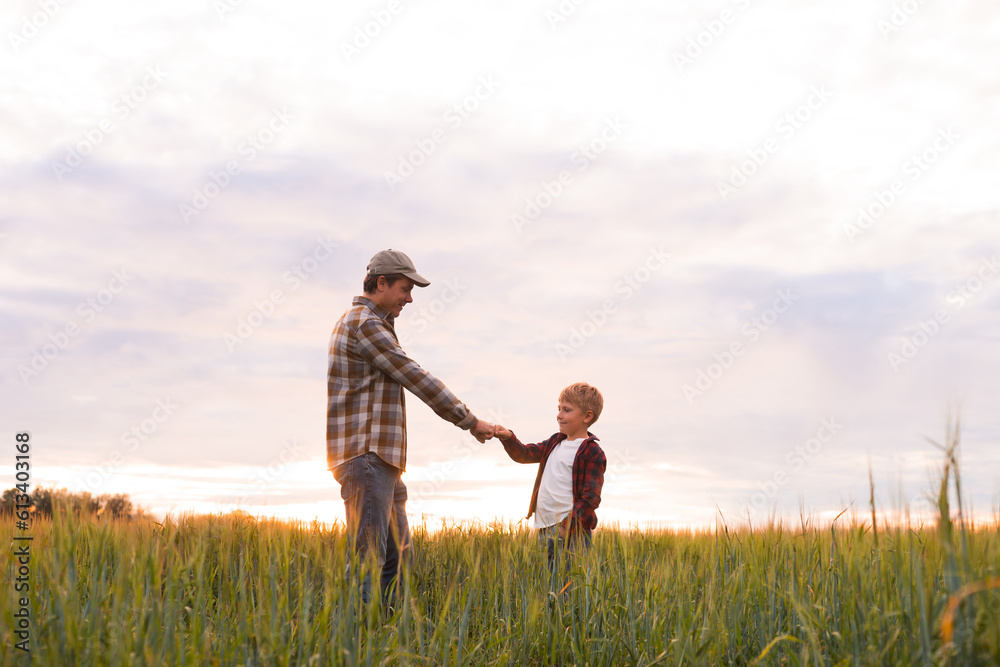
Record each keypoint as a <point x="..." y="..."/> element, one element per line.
<point x="390" y="261"/>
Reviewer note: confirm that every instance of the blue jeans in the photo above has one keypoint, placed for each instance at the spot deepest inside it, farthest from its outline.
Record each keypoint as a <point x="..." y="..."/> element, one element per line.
<point x="375" y="500"/>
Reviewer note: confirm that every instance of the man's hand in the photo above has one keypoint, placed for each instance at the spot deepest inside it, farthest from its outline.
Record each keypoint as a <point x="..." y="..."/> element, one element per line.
<point x="500" y="432"/>
<point x="482" y="431"/>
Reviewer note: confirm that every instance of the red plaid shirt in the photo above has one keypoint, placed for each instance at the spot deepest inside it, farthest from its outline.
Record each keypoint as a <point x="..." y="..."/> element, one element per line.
<point x="588" y="474"/>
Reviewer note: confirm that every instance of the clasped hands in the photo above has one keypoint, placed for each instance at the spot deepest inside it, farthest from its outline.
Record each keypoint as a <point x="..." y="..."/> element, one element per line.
<point x="483" y="431"/>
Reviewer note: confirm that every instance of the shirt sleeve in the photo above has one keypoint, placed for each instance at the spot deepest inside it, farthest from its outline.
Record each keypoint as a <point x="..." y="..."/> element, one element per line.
<point x="589" y="498"/>
<point x="522" y="453"/>
<point x="378" y="346"/>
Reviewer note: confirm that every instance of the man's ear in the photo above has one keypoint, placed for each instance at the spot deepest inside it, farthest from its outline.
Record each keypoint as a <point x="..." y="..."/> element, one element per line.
<point x="381" y="283"/>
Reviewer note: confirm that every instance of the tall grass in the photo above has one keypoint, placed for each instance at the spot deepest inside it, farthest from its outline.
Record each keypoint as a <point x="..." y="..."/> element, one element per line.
<point x="231" y="590"/>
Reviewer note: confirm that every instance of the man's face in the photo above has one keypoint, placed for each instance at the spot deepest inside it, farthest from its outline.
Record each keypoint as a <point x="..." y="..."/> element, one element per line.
<point x="394" y="298"/>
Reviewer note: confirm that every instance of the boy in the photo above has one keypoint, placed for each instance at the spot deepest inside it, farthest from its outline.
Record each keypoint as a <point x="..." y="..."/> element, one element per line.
<point x="570" y="473"/>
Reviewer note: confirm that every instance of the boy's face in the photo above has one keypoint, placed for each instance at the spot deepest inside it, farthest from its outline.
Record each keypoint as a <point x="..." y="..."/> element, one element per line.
<point x="572" y="420"/>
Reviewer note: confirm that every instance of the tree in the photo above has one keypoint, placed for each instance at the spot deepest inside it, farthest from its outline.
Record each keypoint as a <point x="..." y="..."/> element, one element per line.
<point x="42" y="500"/>
<point x="8" y="502"/>
<point x="47" y="501"/>
<point x="117" y="507"/>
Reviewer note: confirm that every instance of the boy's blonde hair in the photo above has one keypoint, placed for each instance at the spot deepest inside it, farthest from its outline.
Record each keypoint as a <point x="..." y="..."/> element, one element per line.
<point x="585" y="397"/>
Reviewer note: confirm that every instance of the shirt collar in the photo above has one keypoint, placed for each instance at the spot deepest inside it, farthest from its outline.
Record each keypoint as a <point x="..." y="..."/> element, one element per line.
<point x="590" y="436"/>
<point x="375" y="308"/>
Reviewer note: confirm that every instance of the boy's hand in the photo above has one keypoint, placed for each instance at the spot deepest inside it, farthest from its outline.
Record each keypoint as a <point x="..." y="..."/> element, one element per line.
<point x="564" y="527"/>
<point x="500" y="432"/>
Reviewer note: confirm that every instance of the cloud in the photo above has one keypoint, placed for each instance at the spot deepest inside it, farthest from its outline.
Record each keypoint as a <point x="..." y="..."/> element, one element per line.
<point x="303" y="215"/>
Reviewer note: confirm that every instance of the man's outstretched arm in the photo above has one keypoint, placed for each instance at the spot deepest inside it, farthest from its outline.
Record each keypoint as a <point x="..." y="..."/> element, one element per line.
<point x="379" y="347"/>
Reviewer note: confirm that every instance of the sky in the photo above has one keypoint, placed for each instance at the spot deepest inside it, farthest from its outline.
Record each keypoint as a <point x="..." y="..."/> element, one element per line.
<point x="765" y="230"/>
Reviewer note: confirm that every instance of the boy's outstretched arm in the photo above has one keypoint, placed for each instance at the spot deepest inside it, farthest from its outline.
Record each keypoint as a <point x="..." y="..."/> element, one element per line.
<point x="515" y="449"/>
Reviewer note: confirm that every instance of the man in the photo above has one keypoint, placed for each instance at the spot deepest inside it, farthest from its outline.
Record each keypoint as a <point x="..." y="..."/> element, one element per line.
<point x="366" y="415"/>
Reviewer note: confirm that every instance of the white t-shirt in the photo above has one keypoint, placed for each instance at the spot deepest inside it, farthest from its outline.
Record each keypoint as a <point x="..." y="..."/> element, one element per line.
<point x="555" y="493"/>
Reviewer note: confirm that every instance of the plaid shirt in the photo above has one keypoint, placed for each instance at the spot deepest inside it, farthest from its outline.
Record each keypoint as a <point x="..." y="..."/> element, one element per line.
<point x="366" y="410"/>
<point x="588" y="474"/>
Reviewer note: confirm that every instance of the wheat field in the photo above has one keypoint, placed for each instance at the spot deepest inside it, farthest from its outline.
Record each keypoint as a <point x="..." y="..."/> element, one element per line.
<point x="232" y="590"/>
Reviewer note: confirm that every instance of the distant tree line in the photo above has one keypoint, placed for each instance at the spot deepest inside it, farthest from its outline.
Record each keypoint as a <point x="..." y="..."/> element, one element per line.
<point x="45" y="501"/>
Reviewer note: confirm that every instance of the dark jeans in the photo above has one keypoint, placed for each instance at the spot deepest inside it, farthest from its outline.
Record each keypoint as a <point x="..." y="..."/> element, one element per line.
<point x="375" y="500"/>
